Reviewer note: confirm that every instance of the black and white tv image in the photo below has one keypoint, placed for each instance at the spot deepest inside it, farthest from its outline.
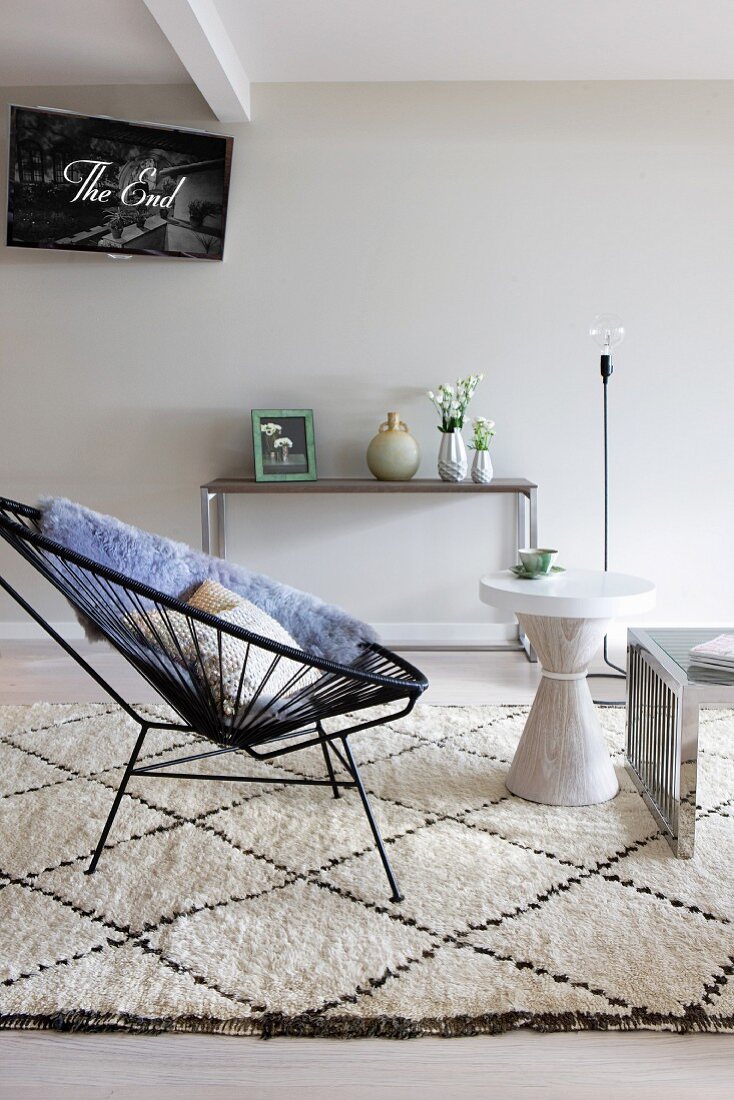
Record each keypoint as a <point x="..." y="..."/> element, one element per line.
<point x="96" y="184"/>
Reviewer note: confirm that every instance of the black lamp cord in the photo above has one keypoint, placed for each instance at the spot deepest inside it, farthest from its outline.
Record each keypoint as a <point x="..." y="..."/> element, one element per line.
<point x="618" y="673"/>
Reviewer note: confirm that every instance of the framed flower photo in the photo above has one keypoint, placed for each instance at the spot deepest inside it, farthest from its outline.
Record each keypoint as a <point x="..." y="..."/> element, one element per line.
<point x="283" y="445"/>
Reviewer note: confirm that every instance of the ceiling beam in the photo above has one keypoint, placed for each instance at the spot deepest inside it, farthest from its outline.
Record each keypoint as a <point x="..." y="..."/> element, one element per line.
<point x="196" y="31"/>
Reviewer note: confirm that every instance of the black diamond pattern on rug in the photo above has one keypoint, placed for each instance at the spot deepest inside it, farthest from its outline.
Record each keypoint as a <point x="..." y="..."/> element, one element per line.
<point x="263" y="910"/>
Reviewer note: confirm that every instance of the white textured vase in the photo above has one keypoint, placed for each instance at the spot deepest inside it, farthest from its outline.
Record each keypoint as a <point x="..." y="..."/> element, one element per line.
<point x="481" y="468"/>
<point x="452" y="460"/>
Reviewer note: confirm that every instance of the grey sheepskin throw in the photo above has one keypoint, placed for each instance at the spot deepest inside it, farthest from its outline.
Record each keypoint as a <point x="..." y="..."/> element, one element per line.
<point x="175" y="569"/>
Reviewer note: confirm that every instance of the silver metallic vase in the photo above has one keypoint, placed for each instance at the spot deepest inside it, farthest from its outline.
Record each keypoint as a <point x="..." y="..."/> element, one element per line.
<point x="452" y="460"/>
<point x="481" y="468"/>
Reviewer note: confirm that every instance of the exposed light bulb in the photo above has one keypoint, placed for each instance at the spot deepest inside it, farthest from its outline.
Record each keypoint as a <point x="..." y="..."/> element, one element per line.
<point x="607" y="331"/>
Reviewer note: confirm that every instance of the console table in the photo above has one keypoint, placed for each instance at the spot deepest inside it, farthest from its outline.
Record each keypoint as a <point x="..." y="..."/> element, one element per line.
<point x="216" y="492"/>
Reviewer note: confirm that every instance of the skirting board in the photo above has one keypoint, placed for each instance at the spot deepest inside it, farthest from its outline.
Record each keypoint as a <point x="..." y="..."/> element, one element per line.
<point x="440" y="635"/>
<point x="446" y="635"/>
<point x="395" y="635"/>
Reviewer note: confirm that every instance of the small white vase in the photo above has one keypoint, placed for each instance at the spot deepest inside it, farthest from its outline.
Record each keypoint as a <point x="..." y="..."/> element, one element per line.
<point x="481" y="468"/>
<point x="452" y="460"/>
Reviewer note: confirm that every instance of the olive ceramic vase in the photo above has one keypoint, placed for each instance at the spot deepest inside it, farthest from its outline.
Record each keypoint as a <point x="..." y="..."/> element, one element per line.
<point x="393" y="454"/>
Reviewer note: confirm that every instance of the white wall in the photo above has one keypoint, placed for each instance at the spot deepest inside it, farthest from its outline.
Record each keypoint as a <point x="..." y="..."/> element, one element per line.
<point x="382" y="238"/>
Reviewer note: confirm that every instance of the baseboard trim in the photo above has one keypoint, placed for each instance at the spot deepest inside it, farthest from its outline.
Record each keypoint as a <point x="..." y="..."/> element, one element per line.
<point x="401" y="635"/>
<point x="447" y="635"/>
<point x="395" y="635"/>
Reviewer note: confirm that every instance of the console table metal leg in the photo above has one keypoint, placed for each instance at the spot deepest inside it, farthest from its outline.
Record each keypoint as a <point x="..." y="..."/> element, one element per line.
<point x="525" y="643"/>
<point x="206" y="534"/>
<point x="221" y="526"/>
<point x="522" y="504"/>
<point x="527" y="516"/>
<point x="533" y="515"/>
<point x="218" y="546"/>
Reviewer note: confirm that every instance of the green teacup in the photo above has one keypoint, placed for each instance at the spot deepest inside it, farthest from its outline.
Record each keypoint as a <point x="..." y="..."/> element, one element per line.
<point x="537" y="560"/>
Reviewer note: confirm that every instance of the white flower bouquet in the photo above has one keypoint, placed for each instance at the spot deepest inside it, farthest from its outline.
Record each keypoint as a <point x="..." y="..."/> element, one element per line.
<point x="482" y="433"/>
<point x="451" y="402"/>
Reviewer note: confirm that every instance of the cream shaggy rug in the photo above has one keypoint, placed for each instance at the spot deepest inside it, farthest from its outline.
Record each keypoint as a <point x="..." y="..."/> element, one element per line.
<point x="264" y="911"/>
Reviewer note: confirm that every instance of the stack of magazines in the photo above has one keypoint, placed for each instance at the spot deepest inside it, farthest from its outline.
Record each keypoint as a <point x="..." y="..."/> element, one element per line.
<point x="717" y="654"/>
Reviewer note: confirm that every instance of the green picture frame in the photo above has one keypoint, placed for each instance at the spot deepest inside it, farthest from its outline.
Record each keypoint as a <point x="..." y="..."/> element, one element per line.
<point x="285" y="454"/>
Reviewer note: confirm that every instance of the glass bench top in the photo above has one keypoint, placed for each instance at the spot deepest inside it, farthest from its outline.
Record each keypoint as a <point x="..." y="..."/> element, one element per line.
<point x="676" y="643"/>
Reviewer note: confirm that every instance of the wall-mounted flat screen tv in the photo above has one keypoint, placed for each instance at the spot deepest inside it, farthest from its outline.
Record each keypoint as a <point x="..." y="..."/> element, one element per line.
<point x="102" y="185"/>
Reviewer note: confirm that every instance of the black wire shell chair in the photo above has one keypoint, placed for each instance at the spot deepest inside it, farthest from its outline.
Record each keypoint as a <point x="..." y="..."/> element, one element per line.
<point x="165" y="640"/>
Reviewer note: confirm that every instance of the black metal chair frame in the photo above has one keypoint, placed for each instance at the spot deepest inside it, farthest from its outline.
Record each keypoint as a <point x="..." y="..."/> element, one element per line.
<point x="146" y="627"/>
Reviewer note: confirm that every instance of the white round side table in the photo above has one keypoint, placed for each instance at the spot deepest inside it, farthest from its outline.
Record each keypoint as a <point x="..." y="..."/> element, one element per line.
<point x="562" y="759"/>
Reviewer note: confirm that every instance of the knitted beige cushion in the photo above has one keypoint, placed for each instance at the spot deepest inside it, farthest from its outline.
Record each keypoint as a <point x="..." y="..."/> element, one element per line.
<point x="213" y="597"/>
<point x="172" y="632"/>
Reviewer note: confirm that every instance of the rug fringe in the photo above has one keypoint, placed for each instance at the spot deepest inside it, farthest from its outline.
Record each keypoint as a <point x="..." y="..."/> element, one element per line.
<point x="372" y="1027"/>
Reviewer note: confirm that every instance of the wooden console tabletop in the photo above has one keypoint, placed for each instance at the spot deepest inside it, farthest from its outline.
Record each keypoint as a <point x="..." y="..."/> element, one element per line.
<point x="367" y="485"/>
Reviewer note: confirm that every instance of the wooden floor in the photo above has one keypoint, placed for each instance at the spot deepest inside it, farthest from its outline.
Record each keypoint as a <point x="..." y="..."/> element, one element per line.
<point x="40" y="670"/>
<point x="522" y="1064"/>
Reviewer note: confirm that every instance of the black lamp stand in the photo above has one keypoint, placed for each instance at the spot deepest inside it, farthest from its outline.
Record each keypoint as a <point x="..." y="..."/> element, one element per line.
<point x="606" y="372"/>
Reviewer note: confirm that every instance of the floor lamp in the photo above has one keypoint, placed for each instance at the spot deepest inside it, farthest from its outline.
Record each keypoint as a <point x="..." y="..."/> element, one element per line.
<point x="607" y="331"/>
